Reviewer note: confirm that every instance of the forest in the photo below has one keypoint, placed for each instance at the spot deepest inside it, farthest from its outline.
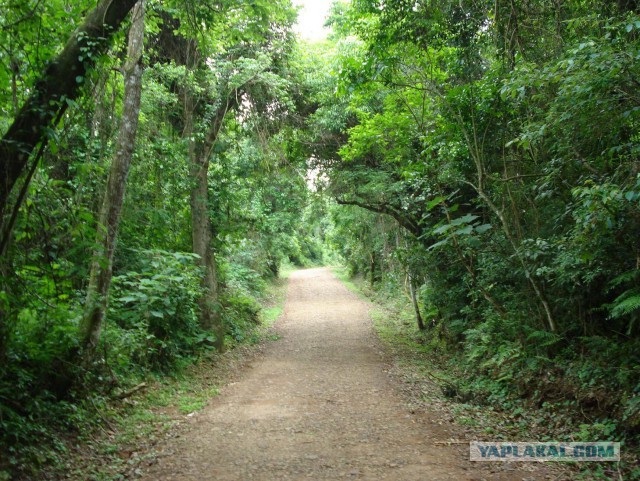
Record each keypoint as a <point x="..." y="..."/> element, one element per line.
<point x="162" y="160"/>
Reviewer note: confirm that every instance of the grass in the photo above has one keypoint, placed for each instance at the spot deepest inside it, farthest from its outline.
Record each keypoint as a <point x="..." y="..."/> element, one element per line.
<point x="134" y="426"/>
<point x="273" y="302"/>
<point x="343" y="274"/>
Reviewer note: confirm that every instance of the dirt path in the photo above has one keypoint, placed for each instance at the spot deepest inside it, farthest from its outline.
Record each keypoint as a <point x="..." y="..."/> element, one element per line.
<point x="318" y="405"/>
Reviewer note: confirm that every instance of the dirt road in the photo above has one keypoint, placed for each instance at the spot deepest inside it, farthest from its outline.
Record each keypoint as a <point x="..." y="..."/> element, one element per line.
<point x="318" y="405"/>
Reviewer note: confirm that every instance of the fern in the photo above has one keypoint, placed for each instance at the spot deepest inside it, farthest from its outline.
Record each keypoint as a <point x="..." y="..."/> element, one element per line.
<point x="543" y="338"/>
<point x="625" y="304"/>
<point x="627" y="277"/>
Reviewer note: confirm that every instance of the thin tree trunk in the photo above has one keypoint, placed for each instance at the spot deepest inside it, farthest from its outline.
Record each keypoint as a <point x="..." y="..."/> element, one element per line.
<point x="414" y="301"/>
<point x="469" y="268"/>
<point x="477" y="156"/>
<point x="201" y="229"/>
<point x="60" y="82"/>
<point x="372" y="268"/>
<point x="102" y="263"/>
<point x="210" y="319"/>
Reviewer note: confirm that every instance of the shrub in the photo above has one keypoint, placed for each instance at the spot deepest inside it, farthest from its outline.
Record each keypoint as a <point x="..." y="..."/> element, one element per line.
<point x="154" y="311"/>
<point x="240" y="314"/>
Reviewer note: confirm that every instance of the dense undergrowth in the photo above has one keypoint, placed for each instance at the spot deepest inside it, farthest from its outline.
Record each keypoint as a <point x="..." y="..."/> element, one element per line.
<point x="485" y="164"/>
<point x="499" y="407"/>
<point x="167" y="191"/>
<point x="147" y="382"/>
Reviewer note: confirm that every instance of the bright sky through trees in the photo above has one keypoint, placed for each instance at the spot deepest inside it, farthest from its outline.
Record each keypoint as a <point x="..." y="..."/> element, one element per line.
<point x="311" y="19"/>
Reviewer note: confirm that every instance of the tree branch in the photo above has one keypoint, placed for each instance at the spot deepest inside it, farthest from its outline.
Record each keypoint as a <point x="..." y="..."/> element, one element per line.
<point x="387" y="209"/>
<point x="60" y="83"/>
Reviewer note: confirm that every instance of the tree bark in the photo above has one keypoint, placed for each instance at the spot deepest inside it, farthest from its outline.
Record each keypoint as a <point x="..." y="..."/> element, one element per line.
<point x="414" y="300"/>
<point x="60" y="82"/>
<point x="372" y="268"/>
<point x="409" y="224"/>
<point x="102" y="263"/>
<point x="201" y="228"/>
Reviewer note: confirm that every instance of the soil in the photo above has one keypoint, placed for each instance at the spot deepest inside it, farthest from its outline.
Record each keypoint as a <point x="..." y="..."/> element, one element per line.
<point x="320" y="404"/>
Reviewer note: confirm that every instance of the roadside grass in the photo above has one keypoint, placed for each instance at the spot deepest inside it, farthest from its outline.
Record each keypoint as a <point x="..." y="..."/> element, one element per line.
<point x="354" y="285"/>
<point x="130" y="430"/>
<point x="274" y="298"/>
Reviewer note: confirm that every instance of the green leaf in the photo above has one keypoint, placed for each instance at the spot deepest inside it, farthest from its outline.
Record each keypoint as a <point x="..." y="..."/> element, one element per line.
<point x="438" y="244"/>
<point x="465" y="230"/>
<point x="433" y="203"/>
<point x="126" y="299"/>
<point x="625" y="304"/>
<point x="442" y="229"/>
<point x="464" y="219"/>
<point x="481" y="229"/>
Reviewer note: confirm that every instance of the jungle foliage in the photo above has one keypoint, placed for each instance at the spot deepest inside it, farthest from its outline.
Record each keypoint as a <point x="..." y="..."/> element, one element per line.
<point x="218" y="84"/>
<point x="495" y="147"/>
<point x="479" y="157"/>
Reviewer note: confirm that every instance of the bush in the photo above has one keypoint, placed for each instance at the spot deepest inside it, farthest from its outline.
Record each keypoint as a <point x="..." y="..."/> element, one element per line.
<point x="154" y="312"/>
<point x="240" y="314"/>
<point x="36" y="381"/>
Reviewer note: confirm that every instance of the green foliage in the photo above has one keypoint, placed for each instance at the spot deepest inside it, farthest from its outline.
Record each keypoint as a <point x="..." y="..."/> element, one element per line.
<point x="257" y="196"/>
<point x="35" y="379"/>
<point x="491" y="156"/>
<point x="484" y="159"/>
<point x="241" y="315"/>
<point x="152" y="321"/>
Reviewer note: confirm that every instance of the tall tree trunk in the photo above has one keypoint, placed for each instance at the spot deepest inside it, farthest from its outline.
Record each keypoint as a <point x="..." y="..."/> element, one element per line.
<point x="201" y="229"/>
<point x="372" y="268"/>
<point x="508" y="34"/>
<point x="59" y="83"/>
<point x="102" y="263"/>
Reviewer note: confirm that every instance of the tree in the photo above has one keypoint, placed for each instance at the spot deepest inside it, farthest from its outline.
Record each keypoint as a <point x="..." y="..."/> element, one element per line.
<point x="59" y="85"/>
<point x="200" y="152"/>
<point x="216" y="175"/>
<point x="109" y="220"/>
<point x="222" y="80"/>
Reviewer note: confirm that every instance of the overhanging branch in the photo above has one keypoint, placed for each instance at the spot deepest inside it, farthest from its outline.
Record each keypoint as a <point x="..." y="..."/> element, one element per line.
<point x="387" y="209"/>
<point x="59" y="84"/>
